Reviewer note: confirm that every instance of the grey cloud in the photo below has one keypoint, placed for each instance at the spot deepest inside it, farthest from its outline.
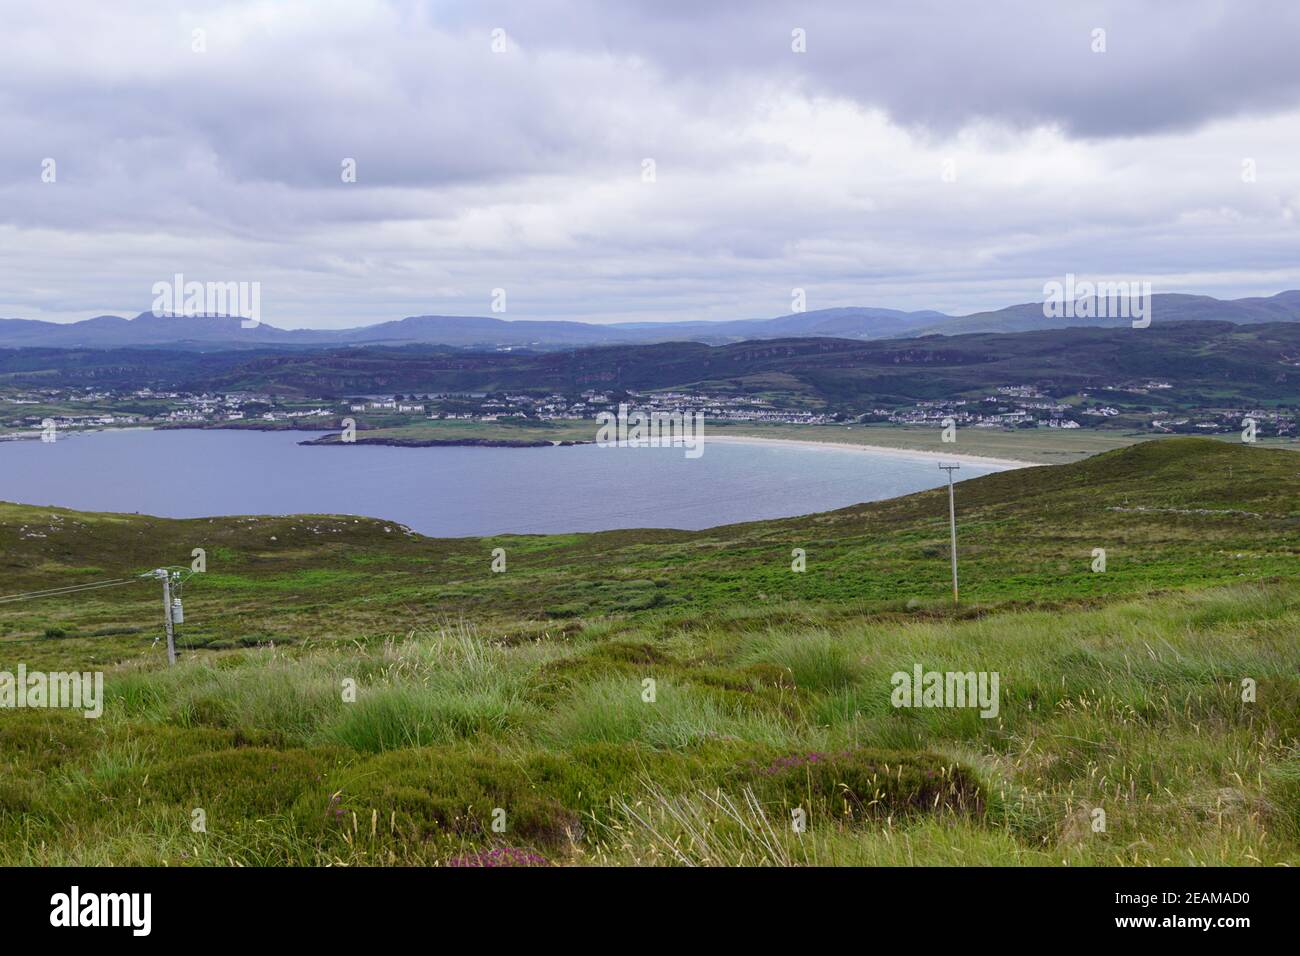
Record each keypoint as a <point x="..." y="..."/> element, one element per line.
<point x="522" y="169"/>
<point x="939" y="64"/>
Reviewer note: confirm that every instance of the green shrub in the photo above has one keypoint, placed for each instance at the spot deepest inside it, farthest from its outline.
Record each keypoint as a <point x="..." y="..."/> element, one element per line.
<point x="1283" y="791"/>
<point x="859" y="786"/>
<point x="244" y="782"/>
<point x="17" y="797"/>
<point x="565" y="610"/>
<point x="394" y="717"/>
<point x="448" y="798"/>
<point x="114" y="631"/>
<point x="613" y="710"/>
<point x="815" y="661"/>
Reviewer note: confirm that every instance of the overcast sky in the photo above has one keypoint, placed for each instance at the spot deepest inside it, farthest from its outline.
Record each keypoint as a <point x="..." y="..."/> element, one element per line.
<point x="953" y="155"/>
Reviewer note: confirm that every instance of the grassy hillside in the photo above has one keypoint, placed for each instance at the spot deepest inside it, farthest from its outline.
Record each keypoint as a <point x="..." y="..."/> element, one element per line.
<point x="524" y="690"/>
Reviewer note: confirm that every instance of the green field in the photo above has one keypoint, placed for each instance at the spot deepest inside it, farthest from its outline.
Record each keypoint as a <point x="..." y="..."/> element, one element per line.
<point x="520" y="697"/>
<point x="371" y="427"/>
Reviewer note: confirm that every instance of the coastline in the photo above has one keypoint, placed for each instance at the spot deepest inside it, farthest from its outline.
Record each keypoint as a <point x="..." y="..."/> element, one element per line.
<point x="329" y="432"/>
<point x="1004" y="463"/>
<point x="66" y="433"/>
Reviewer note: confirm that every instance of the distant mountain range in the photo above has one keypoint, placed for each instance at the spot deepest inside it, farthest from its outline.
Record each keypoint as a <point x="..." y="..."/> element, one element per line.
<point x="1165" y="307"/>
<point x="477" y="332"/>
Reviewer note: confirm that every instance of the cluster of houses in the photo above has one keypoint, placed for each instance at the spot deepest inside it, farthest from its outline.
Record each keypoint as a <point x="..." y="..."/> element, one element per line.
<point x="1010" y="406"/>
<point x="389" y="405"/>
<point x="1013" y="406"/>
<point x="724" y="408"/>
<point x="172" y="408"/>
<point x="469" y="406"/>
<point x="1271" y="420"/>
<point x="1025" y="406"/>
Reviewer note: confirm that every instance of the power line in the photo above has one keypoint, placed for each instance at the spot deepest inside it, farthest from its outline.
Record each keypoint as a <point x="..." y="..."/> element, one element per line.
<point x="64" y="587"/>
<point x="63" y="591"/>
<point x="171" y="578"/>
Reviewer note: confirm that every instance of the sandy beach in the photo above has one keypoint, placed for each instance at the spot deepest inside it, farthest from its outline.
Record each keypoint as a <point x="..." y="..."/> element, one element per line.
<point x="1007" y="463"/>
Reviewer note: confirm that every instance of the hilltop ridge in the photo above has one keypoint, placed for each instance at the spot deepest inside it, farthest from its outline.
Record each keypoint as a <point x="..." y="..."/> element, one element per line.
<point x="490" y="332"/>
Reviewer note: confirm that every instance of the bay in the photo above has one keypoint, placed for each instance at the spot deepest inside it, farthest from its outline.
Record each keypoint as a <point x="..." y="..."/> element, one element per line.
<point x="455" y="491"/>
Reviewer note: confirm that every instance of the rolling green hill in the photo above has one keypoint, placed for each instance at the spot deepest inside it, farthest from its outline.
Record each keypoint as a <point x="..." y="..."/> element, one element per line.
<point x="525" y="690"/>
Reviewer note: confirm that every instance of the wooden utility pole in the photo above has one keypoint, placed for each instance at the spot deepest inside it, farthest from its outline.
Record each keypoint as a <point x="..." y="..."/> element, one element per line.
<point x="952" y="523"/>
<point x="167" y="612"/>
